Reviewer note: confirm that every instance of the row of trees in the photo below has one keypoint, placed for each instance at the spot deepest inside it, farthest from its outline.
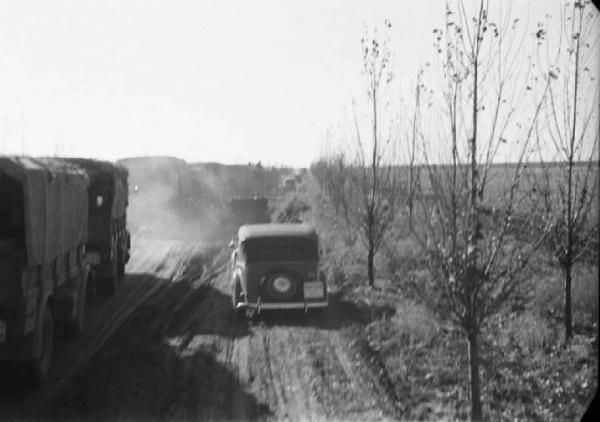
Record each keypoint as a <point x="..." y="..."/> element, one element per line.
<point x="479" y="236"/>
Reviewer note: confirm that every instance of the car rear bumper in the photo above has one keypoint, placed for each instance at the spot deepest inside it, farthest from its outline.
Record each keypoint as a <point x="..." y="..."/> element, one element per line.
<point x="258" y="306"/>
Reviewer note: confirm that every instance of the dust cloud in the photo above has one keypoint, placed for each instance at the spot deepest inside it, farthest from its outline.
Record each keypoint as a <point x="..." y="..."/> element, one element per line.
<point x="168" y="201"/>
<point x="173" y="200"/>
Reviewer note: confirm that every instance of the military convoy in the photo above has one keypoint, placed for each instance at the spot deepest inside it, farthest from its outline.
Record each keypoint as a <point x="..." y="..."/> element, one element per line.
<point x="63" y="235"/>
<point x="64" y="238"/>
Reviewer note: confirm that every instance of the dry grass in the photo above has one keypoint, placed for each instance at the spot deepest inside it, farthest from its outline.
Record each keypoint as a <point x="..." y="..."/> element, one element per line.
<point x="548" y="295"/>
<point x="526" y="373"/>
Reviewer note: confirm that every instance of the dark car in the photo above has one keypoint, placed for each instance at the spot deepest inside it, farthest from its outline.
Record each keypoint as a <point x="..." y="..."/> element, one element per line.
<point x="276" y="266"/>
<point x="289" y="184"/>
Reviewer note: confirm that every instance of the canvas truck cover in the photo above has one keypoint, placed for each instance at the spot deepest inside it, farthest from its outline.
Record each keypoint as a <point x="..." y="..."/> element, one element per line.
<point x="55" y="205"/>
<point x="100" y="171"/>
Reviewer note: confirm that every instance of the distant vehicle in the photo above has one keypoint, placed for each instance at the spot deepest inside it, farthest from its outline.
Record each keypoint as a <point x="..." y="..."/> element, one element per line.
<point x="276" y="266"/>
<point x="289" y="184"/>
<point x="108" y="235"/>
<point x="59" y="224"/>
<point x="253" y="210"/>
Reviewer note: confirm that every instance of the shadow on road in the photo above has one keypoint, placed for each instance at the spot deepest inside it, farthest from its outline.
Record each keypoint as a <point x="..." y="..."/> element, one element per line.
<point x="340" y="313"/>
<point x="204" y="310"/>
<point x="161" y="364"/>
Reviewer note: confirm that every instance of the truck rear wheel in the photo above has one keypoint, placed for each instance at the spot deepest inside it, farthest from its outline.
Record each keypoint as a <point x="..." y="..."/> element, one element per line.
<point x="120" y="263"/>
<point x="39" y="368"/>
<point x="76" y="324"/>
<point x="109" y="283"/>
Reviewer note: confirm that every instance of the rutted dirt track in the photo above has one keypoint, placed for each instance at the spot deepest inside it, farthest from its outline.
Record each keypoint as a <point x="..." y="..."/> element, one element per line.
<point x="148" y="266"/>
<point x="175" y="352"/>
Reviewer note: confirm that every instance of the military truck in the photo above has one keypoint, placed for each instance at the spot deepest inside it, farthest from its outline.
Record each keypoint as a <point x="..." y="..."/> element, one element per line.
<point x="289" y="184"/>
<point x="108" y="235"/>
<point x="61" y="221"/>
<point x="44" y="265"/>
<point x="253" y="210"/>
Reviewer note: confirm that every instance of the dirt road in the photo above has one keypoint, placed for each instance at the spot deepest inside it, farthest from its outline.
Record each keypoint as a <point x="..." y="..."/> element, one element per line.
<point x="168" y="347"/>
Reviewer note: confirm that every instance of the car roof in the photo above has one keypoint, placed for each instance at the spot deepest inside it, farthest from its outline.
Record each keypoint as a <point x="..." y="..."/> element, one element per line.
<point x="249" y="231"/>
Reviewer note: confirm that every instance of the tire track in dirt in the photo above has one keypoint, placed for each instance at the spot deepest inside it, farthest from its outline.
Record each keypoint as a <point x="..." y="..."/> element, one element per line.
<point x="239" y="359"/>
<point x="212" y="328"/>
<point x="307" y="368"/>
<point x="279" y="361"/>
<point x="271" y="383"/>
<point x="104" y="316"/>
<point x="285" y="374"/>
<point x="164" y="260"/>
<point x="181" y="355"/>
<point x="295" y="379"/>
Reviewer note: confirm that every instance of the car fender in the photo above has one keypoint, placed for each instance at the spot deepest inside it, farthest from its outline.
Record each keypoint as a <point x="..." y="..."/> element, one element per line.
<point x="238" y="275"/>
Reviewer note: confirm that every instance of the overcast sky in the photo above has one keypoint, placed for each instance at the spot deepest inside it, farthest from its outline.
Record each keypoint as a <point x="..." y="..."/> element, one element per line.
<point x="228" y="81"/>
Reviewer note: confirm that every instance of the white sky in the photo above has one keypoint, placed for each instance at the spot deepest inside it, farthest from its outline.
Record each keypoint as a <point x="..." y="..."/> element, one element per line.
<point x="228" y="81"/>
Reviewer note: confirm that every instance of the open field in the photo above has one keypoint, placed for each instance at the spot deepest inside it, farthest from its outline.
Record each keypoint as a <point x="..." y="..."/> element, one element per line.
<point x="526" y="371"/>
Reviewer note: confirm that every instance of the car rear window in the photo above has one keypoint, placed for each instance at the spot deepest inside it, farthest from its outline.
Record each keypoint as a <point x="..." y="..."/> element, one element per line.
<point x="277" y="249"/>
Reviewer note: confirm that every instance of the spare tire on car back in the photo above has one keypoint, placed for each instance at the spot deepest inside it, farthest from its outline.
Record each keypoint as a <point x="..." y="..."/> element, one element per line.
<point x="281" y="286"/>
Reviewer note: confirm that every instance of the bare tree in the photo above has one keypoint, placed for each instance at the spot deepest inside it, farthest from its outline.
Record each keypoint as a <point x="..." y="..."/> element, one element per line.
<point x="413" y="169"/>
<point x="363" y="179"/>
<point x="376" y="188"/>
<point x="568" y="185"/>
<point x="475" y="261"/>
<point x="333" y="175"/>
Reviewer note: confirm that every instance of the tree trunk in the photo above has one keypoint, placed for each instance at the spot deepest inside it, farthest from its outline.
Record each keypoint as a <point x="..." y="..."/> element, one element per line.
<point x="568" y="310"/>
<point x="570" y="210"/>
<point x="410" y="212"/>
<point x="474" y="374"/>
<point x="370" y="265"/>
